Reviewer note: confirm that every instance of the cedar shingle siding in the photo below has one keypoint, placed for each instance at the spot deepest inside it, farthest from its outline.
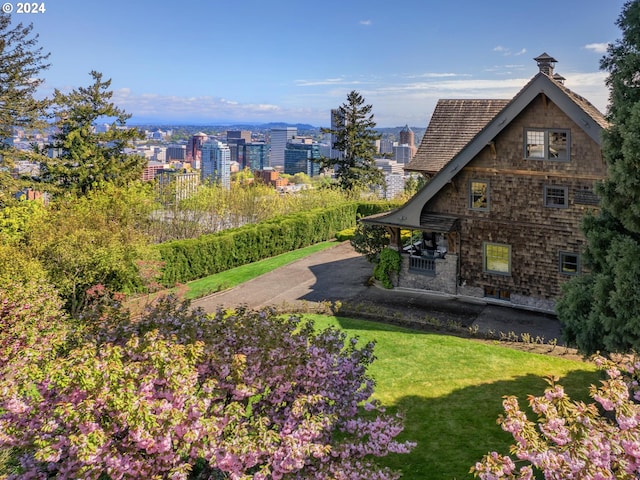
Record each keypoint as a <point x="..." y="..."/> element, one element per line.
<point x="488" y="146"/>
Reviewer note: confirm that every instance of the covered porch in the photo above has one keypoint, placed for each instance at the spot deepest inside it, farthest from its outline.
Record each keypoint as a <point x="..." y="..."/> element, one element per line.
<point x="430" y="255"/>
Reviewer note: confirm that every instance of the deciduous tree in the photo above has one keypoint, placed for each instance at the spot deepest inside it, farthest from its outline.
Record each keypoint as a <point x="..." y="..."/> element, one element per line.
<point x="601" y="310"/>
<point x="567" y="439"/>
<point x="355" y="138"/>
<point x="177" y="394"/>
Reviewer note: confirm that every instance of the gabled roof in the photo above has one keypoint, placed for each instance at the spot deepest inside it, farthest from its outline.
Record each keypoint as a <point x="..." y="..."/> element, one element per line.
<point x="453" y="124"/>
<point x="583" y="113"/>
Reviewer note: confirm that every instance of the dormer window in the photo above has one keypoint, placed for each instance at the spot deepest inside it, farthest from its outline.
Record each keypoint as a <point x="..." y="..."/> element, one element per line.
<point x="547" y="144"/>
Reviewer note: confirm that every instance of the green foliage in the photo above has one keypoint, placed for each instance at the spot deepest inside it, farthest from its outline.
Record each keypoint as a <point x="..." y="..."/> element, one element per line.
<point x="370" y="240"/>
<point x="242" y="394"/>
<point x="371" y="208"/>
<point x="190" y="259"/>
<point x="21" y="66"/>
<point x="346" y="234"/>
<point x="388" y="264"/>
<point x="214" y="208"/>
<point x="95" y="239"/>
<point x="16" y="218"/>
<point x="17" y="266"/>
<point x="355" y="137"/>
<point x="33" y="330"/>
<point x="86" y="158"/>
<point x="611" y="321"/>
<point x="194" y="258"/>
<point x="414" y="184"/>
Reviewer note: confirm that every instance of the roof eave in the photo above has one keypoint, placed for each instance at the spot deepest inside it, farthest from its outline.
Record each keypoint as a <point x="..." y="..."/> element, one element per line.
<point x="408" y="216"/>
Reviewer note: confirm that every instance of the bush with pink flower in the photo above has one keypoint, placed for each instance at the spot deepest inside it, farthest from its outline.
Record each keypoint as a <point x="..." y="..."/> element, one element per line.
<point x="570" y="439"/>
<point x="179" y="394"/>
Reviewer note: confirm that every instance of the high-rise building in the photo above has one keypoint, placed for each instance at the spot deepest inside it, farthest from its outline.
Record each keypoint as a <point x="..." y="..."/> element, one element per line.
<point x="384" y="146"/>
<point x="407" y="137"/>
<point x="194" y="147"/>
<point x="256" y="155"/>
<point x="176" y="153"/>
<point x="238" y="135"/>
<point x="279" y="139"/>
<point x="216" y="163"/>
<point x="176" y="185"/>
<point x="394" y="185"/>
<point x="403" y="153"/>
<point x="236" y="139"/>
<point x="299" y="156"/>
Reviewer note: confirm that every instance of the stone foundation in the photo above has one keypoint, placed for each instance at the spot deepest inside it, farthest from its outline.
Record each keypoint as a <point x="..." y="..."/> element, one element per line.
<point x="444" y="280"/>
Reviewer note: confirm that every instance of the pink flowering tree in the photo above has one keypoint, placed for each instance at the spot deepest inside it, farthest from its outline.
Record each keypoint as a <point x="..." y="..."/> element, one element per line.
<point x="179" y="394"/>
<point x="574" y="440"/>
<point x="33" y="331"/>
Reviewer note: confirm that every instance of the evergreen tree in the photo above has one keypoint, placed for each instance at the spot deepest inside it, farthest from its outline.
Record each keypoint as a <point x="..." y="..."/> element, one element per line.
<point x="355" y="139"/>
<point x="21" y="64"/>
<point x="601" y="310"/>
<point x="83" y="157"/>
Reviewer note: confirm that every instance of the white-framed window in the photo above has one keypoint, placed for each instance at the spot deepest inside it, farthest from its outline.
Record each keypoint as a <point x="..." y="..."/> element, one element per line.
<point x="547" y="144"/>
<point x="556" y="196"/>
<point x="496" y="258"/>
<point x="569" y="263"/>
<point x="479" y="195"/>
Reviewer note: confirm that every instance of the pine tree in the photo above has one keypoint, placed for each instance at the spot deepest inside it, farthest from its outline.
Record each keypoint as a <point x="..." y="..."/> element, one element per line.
<point x="21" y="64"/>
<point x="83" y="157"/>
<point x="355" y="139"/>
<point x="601" y="310"/>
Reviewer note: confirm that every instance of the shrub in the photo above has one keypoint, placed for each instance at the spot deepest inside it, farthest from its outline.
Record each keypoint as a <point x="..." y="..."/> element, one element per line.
<point x="177" y="394"/>
<point x="389" y="263"/>
<point x="571" y="439"/>
<point x="346" y="234"/>
<point x="186" y="260"/>
<point x="370" y="240"/>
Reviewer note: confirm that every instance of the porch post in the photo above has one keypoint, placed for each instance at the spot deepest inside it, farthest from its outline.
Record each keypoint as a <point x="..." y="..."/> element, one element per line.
<point x="395" y="241"/>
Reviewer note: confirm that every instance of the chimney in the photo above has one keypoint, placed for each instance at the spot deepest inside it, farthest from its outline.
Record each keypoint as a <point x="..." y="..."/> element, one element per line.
<point x="559" y="78"/>
<point x="546" y="64"/>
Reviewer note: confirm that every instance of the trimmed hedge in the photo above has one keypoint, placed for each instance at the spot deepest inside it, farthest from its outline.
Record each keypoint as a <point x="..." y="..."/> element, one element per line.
<point x="186" y="260"/>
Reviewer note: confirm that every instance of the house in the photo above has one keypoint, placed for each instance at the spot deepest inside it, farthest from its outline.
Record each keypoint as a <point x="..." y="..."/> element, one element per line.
<point x="509" y="183"/>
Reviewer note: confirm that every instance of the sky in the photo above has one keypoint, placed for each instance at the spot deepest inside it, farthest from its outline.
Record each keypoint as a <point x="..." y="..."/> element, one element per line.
<point x="206" y="62"/>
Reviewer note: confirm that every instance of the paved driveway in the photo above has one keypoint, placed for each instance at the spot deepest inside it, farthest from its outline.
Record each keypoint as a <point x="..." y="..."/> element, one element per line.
<point x="341" y="274"/>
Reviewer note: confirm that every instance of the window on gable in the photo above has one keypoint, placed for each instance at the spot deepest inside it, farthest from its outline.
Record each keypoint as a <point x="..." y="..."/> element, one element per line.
<point x="546" y="144"/>
<point x="497" y="258"/>
<point x="478" y="195"/>
<point x="555" y="196"/>
<point x="569" y="263"/>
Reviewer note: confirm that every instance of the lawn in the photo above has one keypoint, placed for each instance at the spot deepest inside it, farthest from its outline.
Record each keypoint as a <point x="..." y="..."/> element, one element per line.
<point x="450" y="391"/>
<point x="238" y="275"/>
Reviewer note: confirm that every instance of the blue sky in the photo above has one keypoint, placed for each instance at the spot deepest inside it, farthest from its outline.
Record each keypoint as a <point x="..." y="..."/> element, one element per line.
<point x="213" y="61"/>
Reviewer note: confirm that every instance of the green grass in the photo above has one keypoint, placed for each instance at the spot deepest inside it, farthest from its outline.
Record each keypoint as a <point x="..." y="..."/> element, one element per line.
<point x="236" y="276"/>
<point x="450" y="392"/>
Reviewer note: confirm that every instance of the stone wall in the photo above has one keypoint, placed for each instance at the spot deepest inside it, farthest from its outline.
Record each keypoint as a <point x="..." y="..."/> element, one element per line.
<point x="445" y="279"/>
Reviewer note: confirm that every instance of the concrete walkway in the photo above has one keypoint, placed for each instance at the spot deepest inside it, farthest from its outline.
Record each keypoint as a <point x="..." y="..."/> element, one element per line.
<point x="339" y="274"/>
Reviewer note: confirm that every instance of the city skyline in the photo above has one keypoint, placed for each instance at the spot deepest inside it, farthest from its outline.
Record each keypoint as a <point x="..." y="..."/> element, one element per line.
<point x="199" y="63"/>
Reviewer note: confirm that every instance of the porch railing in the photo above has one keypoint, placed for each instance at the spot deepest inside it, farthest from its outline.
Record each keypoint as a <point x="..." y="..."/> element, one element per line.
<point x="424" y="265"/>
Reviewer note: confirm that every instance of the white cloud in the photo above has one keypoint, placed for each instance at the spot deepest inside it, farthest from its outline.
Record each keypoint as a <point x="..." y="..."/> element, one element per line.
<point x="597" y="47"/>
<point x="326" y="81"/>
<point x="438" y="75"/>
<point x="508" y="52"/>
<point x="365" y="22"/>
<point x="395" y="101"/>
